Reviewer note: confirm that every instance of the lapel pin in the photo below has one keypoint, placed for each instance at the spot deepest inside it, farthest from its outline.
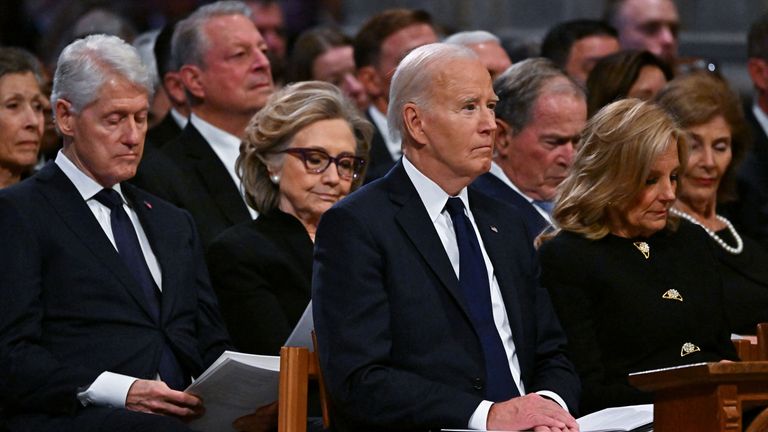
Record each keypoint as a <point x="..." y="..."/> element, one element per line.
<point x="149" y="206"/>
<point x="494" y="229"/>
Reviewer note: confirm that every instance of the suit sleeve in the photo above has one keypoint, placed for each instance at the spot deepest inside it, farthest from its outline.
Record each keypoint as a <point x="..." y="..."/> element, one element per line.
<point x="31" y="378"/>
<point x="352" y="320"/>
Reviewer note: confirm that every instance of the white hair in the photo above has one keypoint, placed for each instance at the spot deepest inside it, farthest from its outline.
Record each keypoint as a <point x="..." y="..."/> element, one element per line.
<point x="472" y="38"/>
<point x="86" y="64"/>
<point x="190" y="41"/>
<point x="413" y="78"/>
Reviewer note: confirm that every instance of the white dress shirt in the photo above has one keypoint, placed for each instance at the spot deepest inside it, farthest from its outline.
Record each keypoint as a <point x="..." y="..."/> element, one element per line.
<point x="501" y="175"/>
<point x="394" y="146"/>
<point x="179" y="118"/>
<point x="227" y="148"/>
<point x="109" y="388"/>
<point x="434" y="199"/>
<point x="761" y="117"/>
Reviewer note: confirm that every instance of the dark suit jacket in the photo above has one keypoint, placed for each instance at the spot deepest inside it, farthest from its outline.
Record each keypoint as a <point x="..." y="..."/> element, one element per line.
<point x="70" y="308"/>
<point x="261" y="271"/>
<point x="496" y="188"/>
<point x="380" y="159"/>
<point x="163" y="132"/>
<point x="751" y="212"/>
<point x="188" y="173"/>
<point x="397" y="347"/>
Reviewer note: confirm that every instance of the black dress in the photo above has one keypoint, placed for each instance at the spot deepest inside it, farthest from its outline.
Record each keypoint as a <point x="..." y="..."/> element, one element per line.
<point x="623" y="312"/>
<point x="745" y="282"/>
<point x="262" y="271"/>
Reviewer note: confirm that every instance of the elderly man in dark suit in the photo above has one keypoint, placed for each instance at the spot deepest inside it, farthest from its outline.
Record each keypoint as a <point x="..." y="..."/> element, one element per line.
<point x="539" y="118"/>
<point x="105" y="306"/>
<point x="223" y="65"/>
<point x="427" y="305"/>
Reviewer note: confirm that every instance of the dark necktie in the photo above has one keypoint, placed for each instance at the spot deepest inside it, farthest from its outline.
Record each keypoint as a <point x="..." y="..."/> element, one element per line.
<point x="130" y="251"/>
<point x="474" y="286"/>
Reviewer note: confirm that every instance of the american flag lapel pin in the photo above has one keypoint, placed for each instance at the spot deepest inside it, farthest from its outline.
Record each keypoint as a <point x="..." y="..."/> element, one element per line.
<point x="149" y="206"/>
<point x="494" y="229"/>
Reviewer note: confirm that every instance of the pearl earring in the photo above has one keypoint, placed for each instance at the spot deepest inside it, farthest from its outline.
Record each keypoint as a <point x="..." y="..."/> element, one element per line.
<point x="274" y="178"/>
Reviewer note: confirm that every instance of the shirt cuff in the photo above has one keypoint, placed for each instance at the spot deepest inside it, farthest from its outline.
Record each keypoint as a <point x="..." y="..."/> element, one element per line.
<point x="109" y="389"/>
<point x="479" y="419"/>
<point x="555" y="397"/>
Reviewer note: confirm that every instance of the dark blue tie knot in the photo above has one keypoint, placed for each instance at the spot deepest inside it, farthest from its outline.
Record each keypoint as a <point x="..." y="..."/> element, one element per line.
<point x="455" y="207"/>
<point x="110" y="198"/>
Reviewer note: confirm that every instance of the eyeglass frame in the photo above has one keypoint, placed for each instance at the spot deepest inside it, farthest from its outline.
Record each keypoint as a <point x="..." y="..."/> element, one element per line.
<point x="301" y="153"/>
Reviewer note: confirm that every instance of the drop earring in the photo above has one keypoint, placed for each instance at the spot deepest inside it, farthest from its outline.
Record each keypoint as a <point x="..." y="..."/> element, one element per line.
<point x="275" y="179"/>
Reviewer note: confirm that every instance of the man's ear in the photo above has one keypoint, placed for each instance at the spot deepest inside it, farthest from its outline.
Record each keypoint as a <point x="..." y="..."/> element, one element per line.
<point x="503" y="138"/>
<point x="414" y="123"/>
<point x="65" y="117"/>
<point x="191" y="77"/>
<point x="174" y="87"/>
<point x="371" y="81"/>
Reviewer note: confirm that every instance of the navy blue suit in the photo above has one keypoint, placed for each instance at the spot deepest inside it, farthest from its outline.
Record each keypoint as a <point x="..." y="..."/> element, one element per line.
<point x="396" y="345"/>
<point x="187" y="173"/>
<point x="496" y="188"/>
<point x="70" y="308"/>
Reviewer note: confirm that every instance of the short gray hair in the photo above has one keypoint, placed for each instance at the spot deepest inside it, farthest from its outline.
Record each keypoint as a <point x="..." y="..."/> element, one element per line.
<point x="472" y="38"/>
<point x="520" y="86"/>
<point x="86" y="64"/>
<point x="189" y="41"/>
<point x="414" y="76"/>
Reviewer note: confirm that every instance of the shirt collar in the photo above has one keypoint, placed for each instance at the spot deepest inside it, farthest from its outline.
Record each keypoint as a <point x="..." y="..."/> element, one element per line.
<point x="85" y="185"/>
<point x="432" y="195"/>
<point x="761" y="117"/>
<point x="217" y="138"/>
<point x="501" y="175"/>
<point x="394" y="146"/>
<point x="179" y="118"/>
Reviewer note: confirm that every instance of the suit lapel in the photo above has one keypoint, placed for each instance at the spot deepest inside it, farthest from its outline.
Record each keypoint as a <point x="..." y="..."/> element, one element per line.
<point x="414" y="220"/>
<point x="498" y="247"/>
<point x="162" y="244"/>
<point x="215" y="177"/>
<point x="69" y="204"/>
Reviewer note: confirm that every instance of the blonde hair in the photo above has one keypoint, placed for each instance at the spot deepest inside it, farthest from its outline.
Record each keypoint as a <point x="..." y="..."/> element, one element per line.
<point x="271" y="130"/>
<point x="619" y="145"/>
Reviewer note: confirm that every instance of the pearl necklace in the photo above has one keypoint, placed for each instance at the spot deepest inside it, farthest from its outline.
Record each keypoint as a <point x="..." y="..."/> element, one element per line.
<point x="730" y="249"/>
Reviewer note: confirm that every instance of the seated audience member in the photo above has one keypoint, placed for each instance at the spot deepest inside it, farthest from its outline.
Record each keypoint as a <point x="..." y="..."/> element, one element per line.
<point x="426" y="302"/>
<point x="751" y="213"/>
<point x="635" y="287"/>
<point x="487" y="47"/>
<point x="539" y="119"/>
<point x="107" y="311"/>
<point x="171" y="125"/>
<point x="160" y="104"/>
<point x="576" y="46"/>
<point x="711" y="113"/>
<point x="302" y="152"/>
<point x="196" y="170"/>
<point x="325" y="54"/>
<point x="379" y="46"/>
<point x="625" y="74"/>
<point x="21" y="114"/>
<point x="651" y="25"/>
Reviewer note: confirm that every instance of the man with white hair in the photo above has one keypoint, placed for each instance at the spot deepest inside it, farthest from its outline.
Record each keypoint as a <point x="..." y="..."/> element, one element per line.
<point x="427" y="306"/>
<point x="106" y="307"/>
<point x="487" y="47"/>
<point x="221" y="59"/>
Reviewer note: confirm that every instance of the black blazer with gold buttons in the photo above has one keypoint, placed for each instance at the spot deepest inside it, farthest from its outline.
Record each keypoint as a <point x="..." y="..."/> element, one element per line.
<point x="629" y="305"/>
